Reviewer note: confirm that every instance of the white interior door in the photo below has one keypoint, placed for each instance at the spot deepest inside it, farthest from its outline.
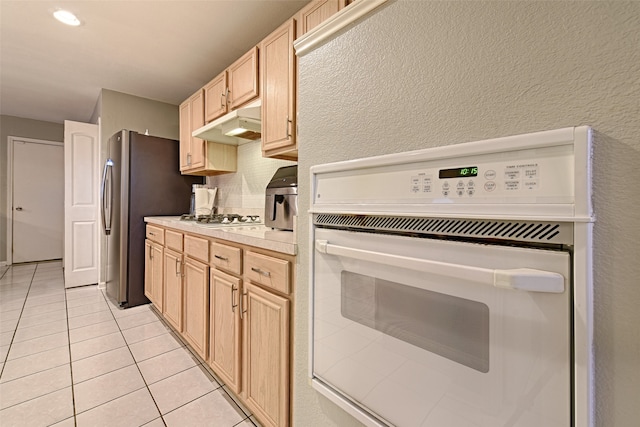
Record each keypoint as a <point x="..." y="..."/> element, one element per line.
<point x="37" y="200"/>
<point x="81" y="204"/>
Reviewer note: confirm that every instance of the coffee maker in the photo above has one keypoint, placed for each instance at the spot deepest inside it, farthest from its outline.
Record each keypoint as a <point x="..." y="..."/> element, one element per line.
<point x="281" y="201"/>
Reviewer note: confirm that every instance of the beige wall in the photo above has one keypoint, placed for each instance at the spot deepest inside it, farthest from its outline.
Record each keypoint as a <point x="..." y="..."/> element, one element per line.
<point x="419" y="74"/>
<point x="26" y="128"/>
<point x="123" y="111"/>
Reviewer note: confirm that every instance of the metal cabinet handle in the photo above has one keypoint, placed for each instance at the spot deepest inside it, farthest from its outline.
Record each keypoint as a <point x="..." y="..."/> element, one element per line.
<point x="177" y="266"/>
<point x="189" y="159"/>
<point x="288" y="133"/>
<point x="150" y="252"/>
<point x="243" y="305"/>
<point x="234" y="289"/>
<point x="221" y="258"/>
<point x="19" y="208"/>
<point x="261" y="272"/>
<point x="152" y="234"/>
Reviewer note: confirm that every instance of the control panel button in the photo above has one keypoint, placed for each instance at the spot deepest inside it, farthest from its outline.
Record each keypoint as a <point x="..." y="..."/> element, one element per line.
<point x="490" y="186"/>
<point x="490" y="175"/>
<point x="511" y="174"/>
<point x="512" y="185"/>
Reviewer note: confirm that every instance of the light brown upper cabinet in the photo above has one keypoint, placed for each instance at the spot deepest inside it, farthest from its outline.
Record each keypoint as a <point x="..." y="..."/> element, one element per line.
<point x="315" y="13"/>
<point x="216" y="97"/>
<point x="234" y="87"/>
<point x="199" y="157"/>
<point x="278" y="75"/>
<point x="243" y="79"/>
<point x="191" y="117"/>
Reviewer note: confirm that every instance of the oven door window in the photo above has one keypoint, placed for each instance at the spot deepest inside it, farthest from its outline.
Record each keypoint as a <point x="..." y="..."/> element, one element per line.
<point x="452" y="327"/>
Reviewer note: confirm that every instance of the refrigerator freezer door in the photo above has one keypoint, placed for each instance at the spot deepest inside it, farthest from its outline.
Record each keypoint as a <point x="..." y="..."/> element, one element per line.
<point x="106" y="191"/>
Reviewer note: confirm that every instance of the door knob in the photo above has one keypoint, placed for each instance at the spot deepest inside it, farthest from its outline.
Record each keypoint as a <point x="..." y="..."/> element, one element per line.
<point x="19" y="208"/>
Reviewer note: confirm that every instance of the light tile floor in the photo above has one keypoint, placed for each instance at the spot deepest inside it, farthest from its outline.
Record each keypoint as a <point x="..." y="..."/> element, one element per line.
<point x="73" y="358"/>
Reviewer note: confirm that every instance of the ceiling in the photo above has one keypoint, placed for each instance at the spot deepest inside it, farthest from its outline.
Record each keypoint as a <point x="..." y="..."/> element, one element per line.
<point x="158" y="49"/>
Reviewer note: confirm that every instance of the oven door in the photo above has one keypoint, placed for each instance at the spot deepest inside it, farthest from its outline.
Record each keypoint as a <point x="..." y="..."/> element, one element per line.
<point x="423" y="332"/>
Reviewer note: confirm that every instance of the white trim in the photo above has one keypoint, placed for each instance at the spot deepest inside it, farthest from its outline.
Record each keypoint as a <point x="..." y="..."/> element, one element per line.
<point x="315" y="37"/>
<point x="9" y="212"/>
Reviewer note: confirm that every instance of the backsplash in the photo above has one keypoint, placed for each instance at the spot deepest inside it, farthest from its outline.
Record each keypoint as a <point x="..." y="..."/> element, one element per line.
<point x="243" y="192"/>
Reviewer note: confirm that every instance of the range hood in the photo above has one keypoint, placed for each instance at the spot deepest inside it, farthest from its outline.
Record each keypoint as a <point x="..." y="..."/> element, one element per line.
<point x="234" y="128"/>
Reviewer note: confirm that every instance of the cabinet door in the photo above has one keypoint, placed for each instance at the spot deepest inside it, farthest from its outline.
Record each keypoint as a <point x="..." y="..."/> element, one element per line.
<point x="157" y="292"/>
<point x="277" y="70"/>
<point x="191" y="118"/>
<point x="197" y="121"/>
<point x="173" y="296"/>
<point x="315" y="13"/>
<point x="148" y="269"/>
<point x="215" y="97"/>
<point x="266" y="355"/>
<point x="243" y="79"/>
<point x="185" y="135"/>
<point x="196" y="305"/>
<point x="224" y="339"/>
<point x="153" y="273"/>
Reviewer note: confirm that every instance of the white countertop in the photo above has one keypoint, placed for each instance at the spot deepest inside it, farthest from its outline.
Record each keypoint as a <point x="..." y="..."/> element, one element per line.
<point x="252" y="235"/>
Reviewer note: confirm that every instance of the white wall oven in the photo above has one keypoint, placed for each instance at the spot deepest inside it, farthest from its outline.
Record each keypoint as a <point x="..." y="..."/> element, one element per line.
<point x="451" y="286"/>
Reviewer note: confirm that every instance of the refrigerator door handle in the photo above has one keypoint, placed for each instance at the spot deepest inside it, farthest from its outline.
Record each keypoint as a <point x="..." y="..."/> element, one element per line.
<point x="107" y="194"/>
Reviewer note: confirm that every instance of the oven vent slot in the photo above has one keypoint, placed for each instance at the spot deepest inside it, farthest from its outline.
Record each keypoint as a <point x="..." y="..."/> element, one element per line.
<point x="512" y="230"/>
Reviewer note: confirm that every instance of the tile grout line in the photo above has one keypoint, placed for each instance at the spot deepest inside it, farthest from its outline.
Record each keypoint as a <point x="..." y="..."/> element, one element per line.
<point x="6" y="358"/>
<point x="135" y="363"/>
<point x="73" y="394"/>
<point x="206" y="367"/>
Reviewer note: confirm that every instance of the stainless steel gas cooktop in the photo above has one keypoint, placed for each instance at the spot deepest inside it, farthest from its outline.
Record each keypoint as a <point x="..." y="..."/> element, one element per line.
<point x="230" y="219"/>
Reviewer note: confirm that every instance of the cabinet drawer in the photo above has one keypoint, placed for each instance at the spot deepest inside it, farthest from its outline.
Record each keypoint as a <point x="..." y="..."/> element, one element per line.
<point x="268" y="271"/>
<point x="226" y="257"/>
<point x="197" y="248"/>
<point x="173" y="240"/>
<point x="155" y="234"/>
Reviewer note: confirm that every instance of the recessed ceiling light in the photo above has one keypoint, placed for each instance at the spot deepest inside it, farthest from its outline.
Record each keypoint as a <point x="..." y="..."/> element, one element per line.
<point x="66" y="17"/>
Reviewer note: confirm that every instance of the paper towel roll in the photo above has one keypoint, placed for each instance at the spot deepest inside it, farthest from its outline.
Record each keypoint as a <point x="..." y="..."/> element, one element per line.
<point x="202" y="202"/>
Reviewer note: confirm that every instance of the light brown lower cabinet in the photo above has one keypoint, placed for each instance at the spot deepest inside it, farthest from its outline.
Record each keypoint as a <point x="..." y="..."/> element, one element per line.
<point x="153" y="288"/>
<point x="266" y="355"/>
<point x="196" y="305"/>
<point x="234" y="311"/>
<point x="225" y="326"/>
<point x="172" y="310"/>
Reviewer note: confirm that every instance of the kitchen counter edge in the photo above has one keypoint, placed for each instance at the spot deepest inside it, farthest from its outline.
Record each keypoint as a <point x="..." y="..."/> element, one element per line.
<point x="258" y="236"/>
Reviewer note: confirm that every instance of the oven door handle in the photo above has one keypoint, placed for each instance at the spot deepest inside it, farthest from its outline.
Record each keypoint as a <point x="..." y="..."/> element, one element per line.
<point x="524" y="279"/>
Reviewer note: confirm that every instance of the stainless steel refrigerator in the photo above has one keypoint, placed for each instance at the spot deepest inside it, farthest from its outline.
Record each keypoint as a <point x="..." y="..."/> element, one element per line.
<point x="141" y="177"/>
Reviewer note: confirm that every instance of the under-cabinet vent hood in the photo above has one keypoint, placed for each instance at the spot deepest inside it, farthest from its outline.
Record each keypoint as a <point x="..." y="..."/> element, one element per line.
<point x="234" y="128"/>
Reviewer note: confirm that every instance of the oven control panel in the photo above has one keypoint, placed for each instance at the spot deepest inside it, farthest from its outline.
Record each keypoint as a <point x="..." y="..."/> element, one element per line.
<point x="504" y="179"/>
<point x="523" y="175"/>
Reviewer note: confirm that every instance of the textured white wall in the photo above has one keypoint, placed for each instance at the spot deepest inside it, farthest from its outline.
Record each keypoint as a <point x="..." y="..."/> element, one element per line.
<point x="419" y="74"/>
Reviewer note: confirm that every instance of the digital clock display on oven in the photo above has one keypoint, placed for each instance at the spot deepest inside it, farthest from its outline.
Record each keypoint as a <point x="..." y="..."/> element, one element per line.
<point x="458" y="172"/>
